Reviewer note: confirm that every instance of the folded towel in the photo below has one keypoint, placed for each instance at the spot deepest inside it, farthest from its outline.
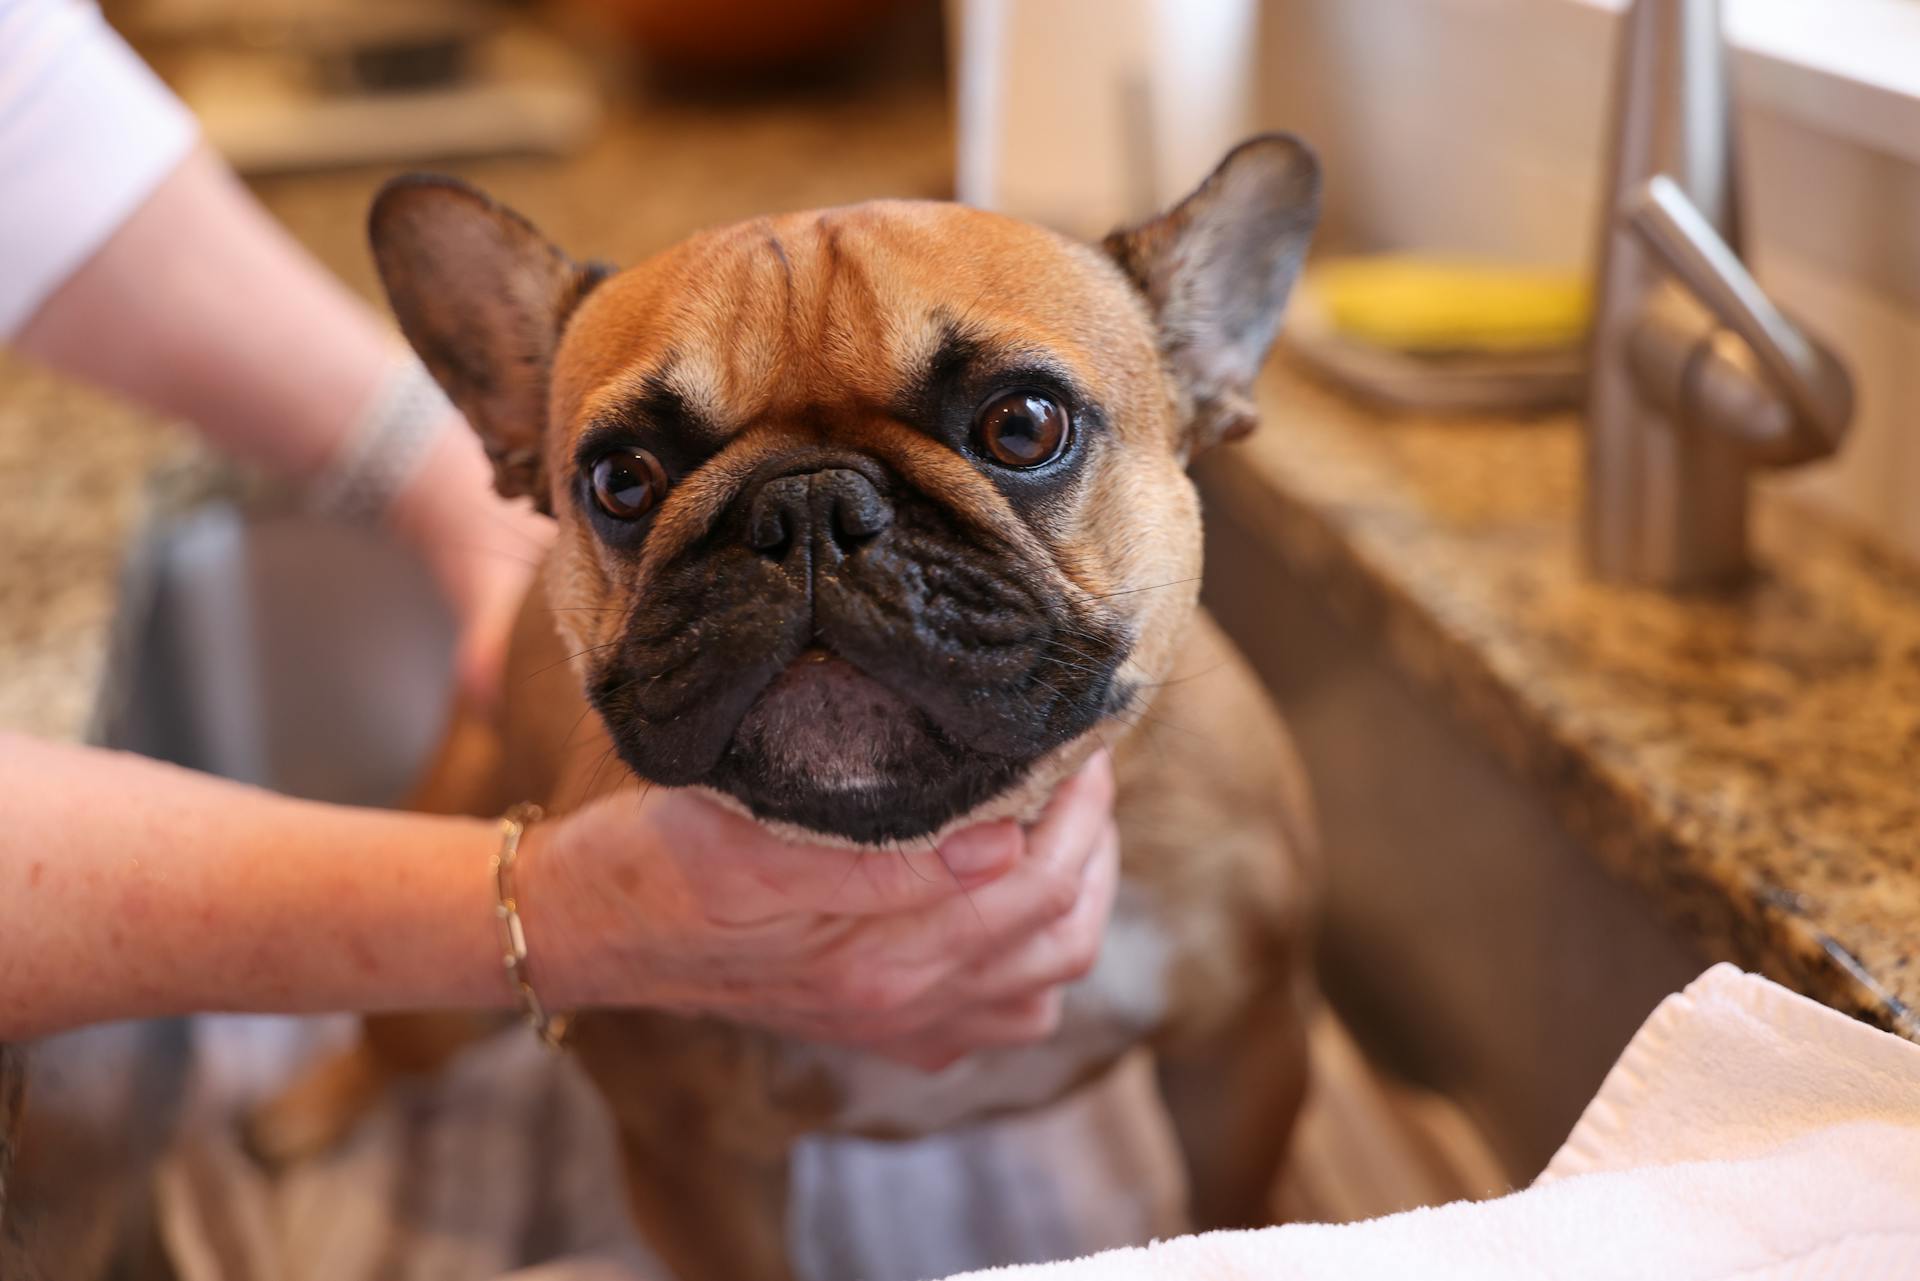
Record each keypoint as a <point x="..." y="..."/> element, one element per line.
<point x="1746" y="1134"/>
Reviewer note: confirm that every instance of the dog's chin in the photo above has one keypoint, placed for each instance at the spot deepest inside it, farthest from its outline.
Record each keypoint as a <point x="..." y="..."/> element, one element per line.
<point x="829" y="749"/>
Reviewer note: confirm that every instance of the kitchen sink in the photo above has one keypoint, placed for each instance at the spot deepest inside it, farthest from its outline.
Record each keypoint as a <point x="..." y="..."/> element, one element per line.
<point x="267" y="647"/>
<point x="1471" y="945"/>
<point x="302" y="655"/>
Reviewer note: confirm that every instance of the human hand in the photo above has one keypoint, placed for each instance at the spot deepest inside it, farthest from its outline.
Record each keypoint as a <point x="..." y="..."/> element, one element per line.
<point x="670" y="901"/>
<point x="482" y="549"/>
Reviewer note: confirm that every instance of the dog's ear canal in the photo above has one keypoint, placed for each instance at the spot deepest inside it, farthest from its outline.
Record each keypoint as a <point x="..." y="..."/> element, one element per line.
<point x="482" y="297"/>
<point x="1216" y="270"/>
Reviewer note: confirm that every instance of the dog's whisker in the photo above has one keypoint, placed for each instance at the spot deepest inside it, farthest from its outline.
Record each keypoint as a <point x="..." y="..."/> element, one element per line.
<point x="589" y="794"/>
<point x="1181" y="680"/>
<point x="1161" y="722"/>
<point x="1132" y="591"/>
<point x="591" y="649"/>
<point x="918" y="874"/>
<point x="578" y="721"/>
<point x="852" y="867"/>
<point x="504" y="553"/>
<point x="1072" y="667"/>
<point x="957" y="882"/>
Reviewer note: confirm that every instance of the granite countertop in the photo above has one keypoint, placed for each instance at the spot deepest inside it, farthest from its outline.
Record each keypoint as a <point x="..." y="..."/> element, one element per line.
<point x="74" y="469"/>
<point x="1752" y="759"/>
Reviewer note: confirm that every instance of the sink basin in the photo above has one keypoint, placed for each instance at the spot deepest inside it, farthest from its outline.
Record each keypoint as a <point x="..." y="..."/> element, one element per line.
<point x="275" y="649"/>
<point x="301" y="655"/>
<point x="1471" y="946"/>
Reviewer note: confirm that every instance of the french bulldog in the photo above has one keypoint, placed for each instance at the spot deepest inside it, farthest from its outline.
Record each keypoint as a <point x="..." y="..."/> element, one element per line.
<point x="872" y="522"/>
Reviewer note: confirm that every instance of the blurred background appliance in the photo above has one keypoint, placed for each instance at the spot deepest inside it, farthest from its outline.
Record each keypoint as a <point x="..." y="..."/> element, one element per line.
<point x="731" y="38"/>
<point x="307" y="84"/>
<point x="1085" y="114"/>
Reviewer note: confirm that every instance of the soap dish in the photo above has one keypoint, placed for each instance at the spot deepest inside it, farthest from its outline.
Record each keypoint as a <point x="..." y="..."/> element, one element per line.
<point x="1498" y="378"/>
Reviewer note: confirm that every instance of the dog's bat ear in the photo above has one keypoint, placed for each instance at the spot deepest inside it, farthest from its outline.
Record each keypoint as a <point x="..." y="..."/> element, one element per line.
<point x="482" y="296"/>
<point x="1216" y="270"/>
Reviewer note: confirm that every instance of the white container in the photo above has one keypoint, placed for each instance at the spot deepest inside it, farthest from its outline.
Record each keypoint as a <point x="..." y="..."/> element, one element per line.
<point x="1086" y="114"/>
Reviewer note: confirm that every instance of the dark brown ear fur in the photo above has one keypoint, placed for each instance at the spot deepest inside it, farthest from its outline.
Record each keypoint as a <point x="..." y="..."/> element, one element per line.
<point x="482" y="296"/>
<point x="1216" y="270"/>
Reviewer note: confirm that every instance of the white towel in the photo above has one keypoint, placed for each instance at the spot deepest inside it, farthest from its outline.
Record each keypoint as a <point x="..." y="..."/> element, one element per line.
<point x="1746" y="1134"/>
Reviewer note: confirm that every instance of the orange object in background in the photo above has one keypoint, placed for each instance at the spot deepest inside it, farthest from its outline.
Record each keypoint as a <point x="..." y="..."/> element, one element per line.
<point x="744" y="36"/>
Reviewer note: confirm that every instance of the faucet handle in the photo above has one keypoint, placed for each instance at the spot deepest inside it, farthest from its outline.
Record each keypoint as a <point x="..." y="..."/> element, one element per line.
<point x="1811" y="378"/>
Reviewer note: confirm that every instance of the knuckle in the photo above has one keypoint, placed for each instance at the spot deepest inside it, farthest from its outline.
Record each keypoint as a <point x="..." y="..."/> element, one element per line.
<point x="872" y="994"/>
<point x="875" y="1029"/>
<point x="1081" y="958"/>
<point x="1060" y="890"/>
<point x="1078" y="937"/>
<point x="856" y="988"/>
<point x="1041" y="1018"/>
<point x="879" y="992"/>
<point x="937" y="1059"/>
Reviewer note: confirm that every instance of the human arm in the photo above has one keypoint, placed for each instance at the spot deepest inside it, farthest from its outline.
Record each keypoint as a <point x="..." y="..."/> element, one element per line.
<point x="130" y="888"/>
<point x="133" y="259"/>
<point x="202" y="307"/>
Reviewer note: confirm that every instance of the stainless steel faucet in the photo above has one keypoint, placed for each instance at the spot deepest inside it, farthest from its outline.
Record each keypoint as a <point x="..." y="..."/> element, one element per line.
<point x="1696" y="378"/>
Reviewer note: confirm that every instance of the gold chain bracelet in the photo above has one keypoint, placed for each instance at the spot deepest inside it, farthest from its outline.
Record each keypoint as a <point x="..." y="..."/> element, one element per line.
<point x="551" y="1028"/>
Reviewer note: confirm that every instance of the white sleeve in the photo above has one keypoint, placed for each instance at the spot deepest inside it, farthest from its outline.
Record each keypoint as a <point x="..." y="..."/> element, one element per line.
<point x="86" y="133"/>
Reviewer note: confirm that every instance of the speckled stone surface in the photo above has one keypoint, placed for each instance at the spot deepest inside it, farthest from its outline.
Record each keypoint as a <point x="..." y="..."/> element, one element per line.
<point x="74" y="466"/>
<point x="1752" y="759"/>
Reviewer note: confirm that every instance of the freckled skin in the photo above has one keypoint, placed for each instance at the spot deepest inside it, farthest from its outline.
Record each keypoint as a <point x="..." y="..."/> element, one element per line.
<point x="809" y="384"/>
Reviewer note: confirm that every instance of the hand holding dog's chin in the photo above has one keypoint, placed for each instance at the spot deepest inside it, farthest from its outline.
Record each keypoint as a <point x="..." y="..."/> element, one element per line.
<point x="669" y="901"/>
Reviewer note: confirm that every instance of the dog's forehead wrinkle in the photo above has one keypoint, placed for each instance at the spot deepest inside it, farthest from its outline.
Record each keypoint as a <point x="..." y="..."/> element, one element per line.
<point x="852" y="304"/>
<point x="780" y="254"/>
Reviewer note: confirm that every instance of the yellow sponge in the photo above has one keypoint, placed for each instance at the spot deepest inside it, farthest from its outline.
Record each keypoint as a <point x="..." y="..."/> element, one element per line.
<point x="1417" y="303"/>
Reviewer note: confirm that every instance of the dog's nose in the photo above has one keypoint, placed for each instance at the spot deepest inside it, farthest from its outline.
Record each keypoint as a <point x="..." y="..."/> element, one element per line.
<point x="836" y="508"/>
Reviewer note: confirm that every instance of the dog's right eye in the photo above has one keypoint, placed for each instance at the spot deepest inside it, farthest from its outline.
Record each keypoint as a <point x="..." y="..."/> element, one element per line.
<point x="628" y="483"/>
<point x="1023" y="429"/>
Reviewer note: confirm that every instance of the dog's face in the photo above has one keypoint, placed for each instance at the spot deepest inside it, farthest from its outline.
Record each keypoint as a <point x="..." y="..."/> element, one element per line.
<point x="867" y="514"/>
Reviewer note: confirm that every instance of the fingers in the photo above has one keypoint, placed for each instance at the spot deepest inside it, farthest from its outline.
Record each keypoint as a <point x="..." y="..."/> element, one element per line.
<point x="1020" y="1020"/>
<point x="959" y="874"/>
<point x="966" y="1010"/>
<point x="893" y="992"/>
<point x="866" y="947"/>
<point x="1044" y="885"/>
<point x="747" y="874"/>
<point x="1065" y="949"/>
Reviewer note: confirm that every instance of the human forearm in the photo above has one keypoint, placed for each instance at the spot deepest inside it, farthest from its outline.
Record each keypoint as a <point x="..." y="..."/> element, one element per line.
<point x="133" y="889"/>
<point x="199" y="305"/>
<point x="130" y="888"/>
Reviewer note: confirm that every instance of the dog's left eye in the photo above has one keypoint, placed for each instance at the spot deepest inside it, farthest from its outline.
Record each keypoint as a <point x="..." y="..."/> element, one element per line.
<point x="629" y="483"/>
<point x="1022" y="429"/>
